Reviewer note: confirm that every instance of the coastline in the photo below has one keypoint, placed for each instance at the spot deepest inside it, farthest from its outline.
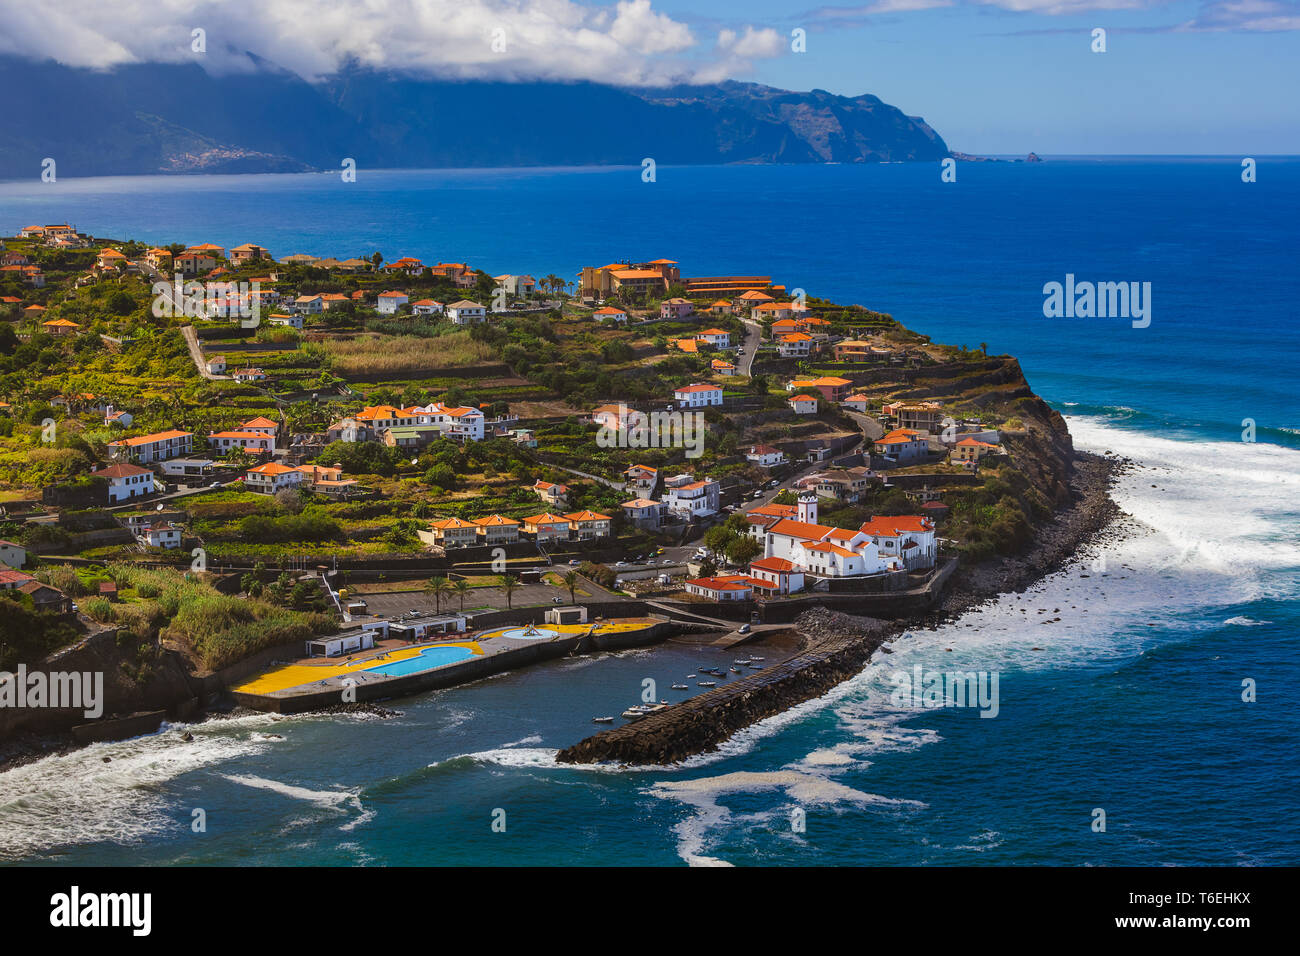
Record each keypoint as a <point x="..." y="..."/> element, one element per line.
<point x="845" y="642"/>
<point x="838" y="645"/>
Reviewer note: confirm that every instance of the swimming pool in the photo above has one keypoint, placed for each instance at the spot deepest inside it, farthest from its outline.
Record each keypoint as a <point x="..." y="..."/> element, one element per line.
<point x="521" y="634"/>
<point x="427" y="659"/>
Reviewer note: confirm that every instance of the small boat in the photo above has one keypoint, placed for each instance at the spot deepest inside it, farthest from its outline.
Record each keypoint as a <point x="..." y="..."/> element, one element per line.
<point x="745" y="661"/>
<point x="602" y="720"/>
<point x="735" y="670"/>
<point x="680" y="687"/>
<point x="690" y="676"/>
<point x="708" y="683"/>
<point x="637" y="711"/>
<point x="755" y="657"/>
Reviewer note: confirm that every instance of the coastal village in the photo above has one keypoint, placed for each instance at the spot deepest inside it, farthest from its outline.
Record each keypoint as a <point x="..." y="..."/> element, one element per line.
<point x="225" y="450"/>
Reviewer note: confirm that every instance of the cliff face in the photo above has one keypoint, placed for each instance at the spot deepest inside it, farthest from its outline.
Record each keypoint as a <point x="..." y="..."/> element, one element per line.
<point x="152" y="118"/>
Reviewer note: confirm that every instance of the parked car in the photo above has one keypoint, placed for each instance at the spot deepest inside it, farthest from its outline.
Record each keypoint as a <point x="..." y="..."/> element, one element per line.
<point x="744" y="629"/>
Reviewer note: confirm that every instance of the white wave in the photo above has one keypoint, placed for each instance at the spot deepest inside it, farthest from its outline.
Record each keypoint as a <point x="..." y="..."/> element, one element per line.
<point x="530" y="739"/>
<point x="78" y="798"/>
<point x="1243" y="621"/>
<point x="703" y="795"/>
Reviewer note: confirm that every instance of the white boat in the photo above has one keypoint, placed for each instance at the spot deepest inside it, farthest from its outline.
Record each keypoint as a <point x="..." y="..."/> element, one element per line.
<point x="708" y="683"/>
<point x="735" y="670"/>
<point x="690" y="676"/>
<point x="679" y="687"/>
<point x="602" y="720"/>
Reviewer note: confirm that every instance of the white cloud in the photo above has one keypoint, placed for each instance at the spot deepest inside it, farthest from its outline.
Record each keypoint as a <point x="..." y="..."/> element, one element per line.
<point x="624" y="42"/>
<point x="752" y="43"/>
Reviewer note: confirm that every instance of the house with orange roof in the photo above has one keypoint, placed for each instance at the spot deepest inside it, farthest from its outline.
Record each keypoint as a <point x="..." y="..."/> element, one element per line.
<point x="254" y="443"/>
<point x="644" y="513"/>
<point x="794" y="345"/>
<point x="126" y="481"/>
<point x="390" y="302"/>
<point x="426" y="307"/>
<point x="803" y="404"/>
<point x="497" y="529"/>
<point x="589" y="525"/>
<point x="454" y="532"/>
<point x="909" y="539"/>
<point x="271" y="477"/>
<point x="465" y="312"/>
<point x="60" y="327"/>
<point x="688" y="499"/>
<point x="722" y="307"/>
<point x="718" y="338"/>
<point x="248" y="252"/>
<point x="778" y="576"/>
<point x="765" y="456"/>
<point x="158" y="446"/>
<point x="857" y="402"/>
<point x="722" y="367"/>
<point x="724" y="587"/>
<point x="675" y="308"/>
<point x="246" y="375"/>
<point x="775" y="311"/>
<point x="903" y="446"/>
<point x="548" y="528"/>
<point x="972" y="450"/>
<point x="609" y="313"/>
<point x="408" y="265"/>
<point x="550" y="492"/>
<point x="698" y="395"/>
<point x="687" y="345"/>
<point x="641" y="478"/>
<point x="751" y="299"/>
<point x="110" y="259"/>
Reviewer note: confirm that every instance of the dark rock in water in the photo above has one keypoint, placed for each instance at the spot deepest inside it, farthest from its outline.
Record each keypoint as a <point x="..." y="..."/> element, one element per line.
<point x="106" y="759"/>
<point x="187" y="737"/>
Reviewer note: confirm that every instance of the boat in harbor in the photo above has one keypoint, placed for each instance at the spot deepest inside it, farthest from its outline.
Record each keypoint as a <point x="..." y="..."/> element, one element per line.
<point x="735" y="670"/>
<point x="602" y="720"/>
<point x="637" y="711"/>
<point x="690" y="676"/>
<point x="708" y="683"/>
<point x="679" y="687"/>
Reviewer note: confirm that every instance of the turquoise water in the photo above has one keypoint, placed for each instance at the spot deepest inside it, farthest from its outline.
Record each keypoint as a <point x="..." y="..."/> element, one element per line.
<point x="1131" y="702"/>
<point x="426" y="660"/>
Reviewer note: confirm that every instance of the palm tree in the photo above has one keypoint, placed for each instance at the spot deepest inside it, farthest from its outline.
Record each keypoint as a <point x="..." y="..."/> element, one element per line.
<point x="509" y="584"/>
<point x="438" y="587"/>
<point x="570" y="580"/>
<point x="462" y="588"/>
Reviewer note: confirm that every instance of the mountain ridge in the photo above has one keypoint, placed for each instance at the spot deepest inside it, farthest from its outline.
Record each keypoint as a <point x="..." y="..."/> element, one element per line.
<point x="141" y="119"/>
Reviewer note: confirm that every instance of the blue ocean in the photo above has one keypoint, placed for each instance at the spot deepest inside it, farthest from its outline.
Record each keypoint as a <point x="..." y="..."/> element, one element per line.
<point x="1148" y="680"/>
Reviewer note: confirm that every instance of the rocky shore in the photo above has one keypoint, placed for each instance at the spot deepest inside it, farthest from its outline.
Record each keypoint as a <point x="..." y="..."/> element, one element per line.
<point x="838" y="646"/>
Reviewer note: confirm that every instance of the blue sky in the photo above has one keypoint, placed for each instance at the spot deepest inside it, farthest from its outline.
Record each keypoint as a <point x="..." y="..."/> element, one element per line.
<point x="992" y="76"/>
<point x="996" y="81"/>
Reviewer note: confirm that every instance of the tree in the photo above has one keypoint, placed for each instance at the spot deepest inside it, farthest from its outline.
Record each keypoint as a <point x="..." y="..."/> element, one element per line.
<point x="438" y="587"/>
<point x="570" y="580"/>
<point x="461" y="587"/>
<point x="509" y="584"/>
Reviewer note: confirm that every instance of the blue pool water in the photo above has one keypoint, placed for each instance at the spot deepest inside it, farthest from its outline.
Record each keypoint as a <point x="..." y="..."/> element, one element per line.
<point x="426" y="660"/>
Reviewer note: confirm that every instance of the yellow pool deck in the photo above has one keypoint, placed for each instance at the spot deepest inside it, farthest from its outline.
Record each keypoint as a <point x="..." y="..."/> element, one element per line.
<point x="294" y="675"/>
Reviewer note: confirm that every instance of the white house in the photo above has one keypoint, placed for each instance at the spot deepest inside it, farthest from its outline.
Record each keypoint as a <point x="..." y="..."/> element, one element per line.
<point x="11" y="554"/>
<point x="162" y="535"/>
<point x="728" y="587"/>
<point x="293" y="321"/>
<point x="609" y="312"/>
<point x="765" y="456"/>
<point x="255" y="443"/>
<point x="643" y="512"/>
<point x="718" y="338"/>
<point x="120" y="419"/>
<point x="698" y="395"/>
<point x="389" y="302"/>
<point x="794" y="345"/>
<point x="426" y="307"/>
<point x="778" y="575"/>
<point x="246" y="375"/>
<point x="687" y="498"/>
<point x="311" y="304"/>
<point x="272" y="477"/>
<point x="150" y="448"/>
<point x="126" y="482"/>
<point x="804" y="404"/>
<point x="465" y="312"/>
